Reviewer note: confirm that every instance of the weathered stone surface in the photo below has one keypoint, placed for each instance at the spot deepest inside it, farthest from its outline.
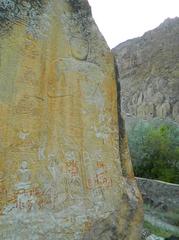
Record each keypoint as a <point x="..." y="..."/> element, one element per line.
<point x="62" y="173"/>
<point x="149" y="74"/>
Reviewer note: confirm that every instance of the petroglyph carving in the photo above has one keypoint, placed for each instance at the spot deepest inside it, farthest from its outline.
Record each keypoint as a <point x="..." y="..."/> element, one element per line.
<point x="79" y="48"/>
<point x="24" y="176"/>
<point x="62" y="169"/>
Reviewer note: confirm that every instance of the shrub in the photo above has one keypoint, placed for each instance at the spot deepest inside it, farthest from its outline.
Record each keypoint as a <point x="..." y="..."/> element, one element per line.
<point x="154" y="147"/>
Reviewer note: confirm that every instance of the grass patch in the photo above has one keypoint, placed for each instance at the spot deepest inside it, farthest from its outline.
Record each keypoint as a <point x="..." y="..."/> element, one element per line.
<point x="171" y="217"/>
<point x="157" y="231"/>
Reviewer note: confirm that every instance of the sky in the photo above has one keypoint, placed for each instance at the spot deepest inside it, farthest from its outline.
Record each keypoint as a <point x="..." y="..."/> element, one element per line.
<point x="120" y="20"/>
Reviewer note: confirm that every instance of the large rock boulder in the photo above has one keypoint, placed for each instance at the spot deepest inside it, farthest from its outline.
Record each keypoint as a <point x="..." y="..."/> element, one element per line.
<point x="148" y="67"/>
<point x="62" y="172"/>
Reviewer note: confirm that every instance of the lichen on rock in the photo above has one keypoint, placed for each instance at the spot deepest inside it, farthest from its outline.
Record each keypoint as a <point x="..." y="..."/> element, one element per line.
<point x="20" y="12"/>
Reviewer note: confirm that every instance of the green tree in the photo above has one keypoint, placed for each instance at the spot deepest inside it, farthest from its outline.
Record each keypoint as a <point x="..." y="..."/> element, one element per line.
<point x="154" y="148"/>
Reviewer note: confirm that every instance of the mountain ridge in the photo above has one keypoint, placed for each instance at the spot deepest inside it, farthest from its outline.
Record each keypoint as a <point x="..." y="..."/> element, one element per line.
<point x="148" y="72"/>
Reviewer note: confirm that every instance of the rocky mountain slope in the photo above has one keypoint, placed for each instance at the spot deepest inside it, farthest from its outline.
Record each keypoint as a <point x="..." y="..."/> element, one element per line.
<point x="149" y="72"/>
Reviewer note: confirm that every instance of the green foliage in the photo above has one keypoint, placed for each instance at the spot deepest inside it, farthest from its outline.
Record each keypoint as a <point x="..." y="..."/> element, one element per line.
<point x="157" y="231"/>
<point x="170" y="216"/>
<point x="154" y="148"/>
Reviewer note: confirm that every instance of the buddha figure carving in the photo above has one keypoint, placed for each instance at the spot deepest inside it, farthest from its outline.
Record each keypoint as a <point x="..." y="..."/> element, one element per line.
<point x="24" y="177"/>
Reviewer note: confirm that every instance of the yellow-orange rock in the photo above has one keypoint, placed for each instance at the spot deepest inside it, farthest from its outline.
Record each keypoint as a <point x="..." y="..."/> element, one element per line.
<point x="62" y="173"/>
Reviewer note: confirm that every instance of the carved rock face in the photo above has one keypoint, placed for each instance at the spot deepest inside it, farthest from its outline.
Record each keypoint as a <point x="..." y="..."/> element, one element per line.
<point x="63" y="174"/>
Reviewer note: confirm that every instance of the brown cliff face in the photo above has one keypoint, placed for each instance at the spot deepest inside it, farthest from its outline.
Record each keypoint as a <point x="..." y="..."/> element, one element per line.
<point x="149" y="73"/>
<point x="62" y="175"/>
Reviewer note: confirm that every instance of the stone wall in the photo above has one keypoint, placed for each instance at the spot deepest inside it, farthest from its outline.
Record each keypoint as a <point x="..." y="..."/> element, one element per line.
<point x="159" y="194"/>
